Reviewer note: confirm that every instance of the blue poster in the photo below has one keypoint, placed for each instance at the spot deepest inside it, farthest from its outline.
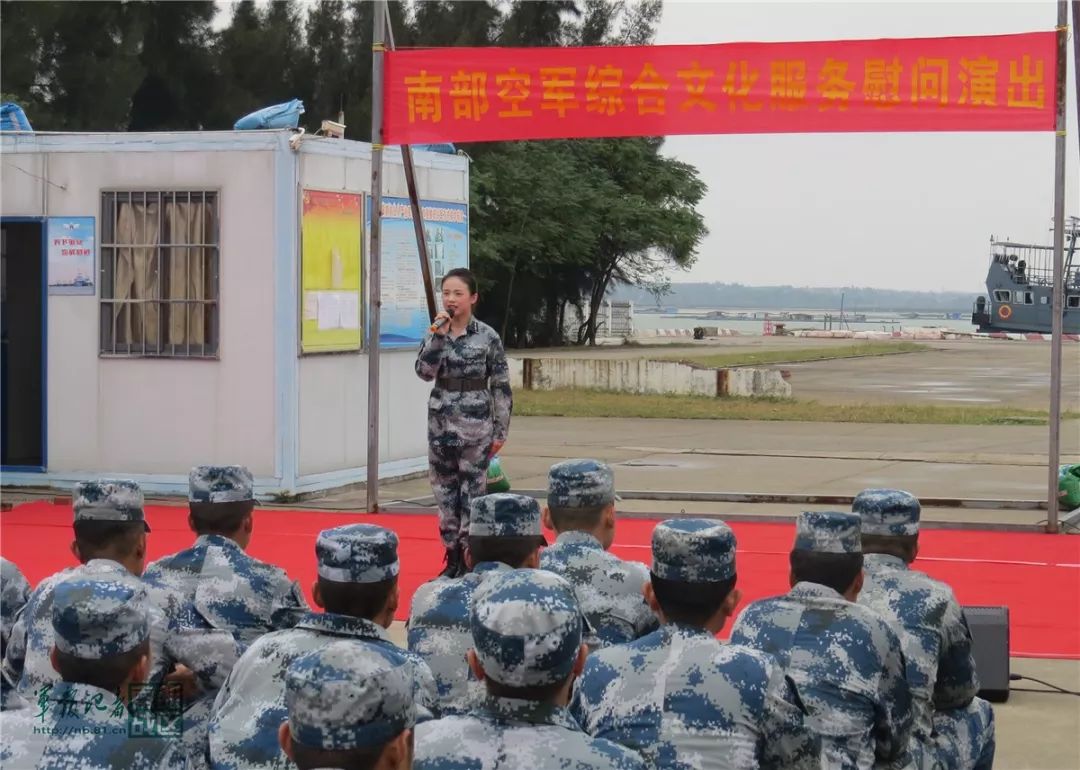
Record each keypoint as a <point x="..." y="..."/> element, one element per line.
<point x="71" y="253"/>
<point x="404" y="309"/>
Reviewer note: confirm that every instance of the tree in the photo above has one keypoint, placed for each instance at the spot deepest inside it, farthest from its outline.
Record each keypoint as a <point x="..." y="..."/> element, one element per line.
<point x="538" y="24"/>
<point x="180" y="82"/>
<point x="457" y="23"/>
<point x="73" y="66"/>
<point x="532" y="235"/>
<point x="647" y="215"/>
<point x="325" y="65"/>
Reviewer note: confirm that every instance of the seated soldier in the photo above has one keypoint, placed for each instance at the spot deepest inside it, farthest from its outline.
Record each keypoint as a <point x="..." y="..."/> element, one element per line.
<point x="528" y="646"/>
<point x="15" y="592"/>
<point x="504" y="534"/>
<point x="953" y="728"/>
<point x="101" y="630"/>
<point x="581" y="509"/>
<point x="679" y="696"/>
<point x="844" y="658"/>
<point x="358" y="586"/>
<point x="228" y="589"/>
<point x="110" y="541"/>
<point x="348" y="706"/>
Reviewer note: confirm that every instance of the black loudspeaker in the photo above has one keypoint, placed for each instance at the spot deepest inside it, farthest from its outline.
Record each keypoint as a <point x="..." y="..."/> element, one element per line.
<point x="990" y="648"/>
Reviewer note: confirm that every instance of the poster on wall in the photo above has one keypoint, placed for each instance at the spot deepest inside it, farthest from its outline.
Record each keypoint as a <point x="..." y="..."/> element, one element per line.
<point x="71" y="255"/>
<point x="331" y="265"/>
<point x="404" y="318"/>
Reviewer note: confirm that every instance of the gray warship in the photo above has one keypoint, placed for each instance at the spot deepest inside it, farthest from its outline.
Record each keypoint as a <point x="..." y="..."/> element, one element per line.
<point x="1019" y="287"/>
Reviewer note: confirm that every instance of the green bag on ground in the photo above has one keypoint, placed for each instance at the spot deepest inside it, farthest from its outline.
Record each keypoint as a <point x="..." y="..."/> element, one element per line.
<point x="496" y="479"/>
<point x="1069" y="486"/>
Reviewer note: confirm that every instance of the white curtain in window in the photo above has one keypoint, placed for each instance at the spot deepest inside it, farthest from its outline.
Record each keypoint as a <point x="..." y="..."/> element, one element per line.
<point x="190" y="225"/>
<point x="137" y="275"/>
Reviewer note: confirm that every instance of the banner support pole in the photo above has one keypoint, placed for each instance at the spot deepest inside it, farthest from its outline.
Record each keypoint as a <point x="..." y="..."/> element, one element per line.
<point x="414" y="200"/>
<point x="375" y="255"/>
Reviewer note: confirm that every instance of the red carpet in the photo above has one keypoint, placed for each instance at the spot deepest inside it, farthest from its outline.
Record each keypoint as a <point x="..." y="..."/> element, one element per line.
<point x="1037" y="576"/>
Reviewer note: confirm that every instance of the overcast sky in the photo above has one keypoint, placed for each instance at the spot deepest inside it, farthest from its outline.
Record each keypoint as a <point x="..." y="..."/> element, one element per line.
<point x="909" y="211"/>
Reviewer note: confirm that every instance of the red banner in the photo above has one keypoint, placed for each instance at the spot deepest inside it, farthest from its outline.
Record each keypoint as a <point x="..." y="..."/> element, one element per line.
<point x="994" y="83"/>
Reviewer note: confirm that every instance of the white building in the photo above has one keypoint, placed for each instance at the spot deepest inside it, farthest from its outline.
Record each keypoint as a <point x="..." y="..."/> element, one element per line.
<point x="180" y="341"/>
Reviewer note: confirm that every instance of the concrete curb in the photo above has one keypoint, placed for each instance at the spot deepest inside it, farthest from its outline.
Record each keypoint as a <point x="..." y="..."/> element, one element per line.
<point x="801" y="499"/>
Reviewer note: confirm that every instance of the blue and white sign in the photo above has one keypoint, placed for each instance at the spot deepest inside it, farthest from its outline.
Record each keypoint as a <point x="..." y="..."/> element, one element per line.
<point x="72" y="254"/>
<point x="404" y="318"/>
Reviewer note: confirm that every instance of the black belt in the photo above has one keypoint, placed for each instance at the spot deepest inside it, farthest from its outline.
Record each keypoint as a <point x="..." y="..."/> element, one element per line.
<point x="462" y="385"/>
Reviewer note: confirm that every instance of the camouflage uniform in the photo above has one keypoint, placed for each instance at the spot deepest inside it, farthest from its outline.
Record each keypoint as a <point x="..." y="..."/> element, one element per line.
<point x="463" y="424"/>
<point x="80" y="725"/>
<point x="527" y="631"/>
<point x="845" y="659"/>
<point x="608" y="588"/>
<point x="225" y="587"/>
<point x="679" y="696"/>
<point x="953" y="728"/>
<point x="438" y="628"/>
<point x="251" y="705"/>
<point x="346" y="696"/>
<point x="15" y="592"/>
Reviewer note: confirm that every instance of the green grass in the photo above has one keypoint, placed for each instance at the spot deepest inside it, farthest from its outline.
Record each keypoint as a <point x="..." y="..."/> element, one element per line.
<point x="795" y="355"/>
<point x="595" y="403"/>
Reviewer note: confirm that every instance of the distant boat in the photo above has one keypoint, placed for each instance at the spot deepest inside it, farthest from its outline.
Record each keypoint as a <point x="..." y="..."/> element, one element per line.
<point x="1020" y="285"/>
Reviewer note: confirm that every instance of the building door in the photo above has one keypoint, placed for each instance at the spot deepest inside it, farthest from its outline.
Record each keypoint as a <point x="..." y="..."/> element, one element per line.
<point x="22" y="344"/>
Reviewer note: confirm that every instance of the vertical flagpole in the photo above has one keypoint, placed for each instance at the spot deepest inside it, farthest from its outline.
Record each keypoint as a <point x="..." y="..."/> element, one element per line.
<point x="1076" y="59"/>
<point x="375" y="254"/>
<point x="1059" y="268"/>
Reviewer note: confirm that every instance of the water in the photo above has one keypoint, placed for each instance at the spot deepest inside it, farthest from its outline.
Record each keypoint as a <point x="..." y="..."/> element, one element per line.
<point x="688" y="318"/>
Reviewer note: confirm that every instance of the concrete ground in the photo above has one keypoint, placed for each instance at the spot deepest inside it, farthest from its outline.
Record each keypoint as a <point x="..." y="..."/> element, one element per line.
<point x="1035" y="730"/>
<point x="973" y="372"/>
<point x="830" y="459"/>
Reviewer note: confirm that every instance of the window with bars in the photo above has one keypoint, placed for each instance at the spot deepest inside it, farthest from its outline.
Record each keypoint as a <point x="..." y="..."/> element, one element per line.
<point x="160" y="261"/>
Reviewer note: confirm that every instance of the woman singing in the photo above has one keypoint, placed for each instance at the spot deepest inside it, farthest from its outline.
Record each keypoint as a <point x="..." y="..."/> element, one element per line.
<point x="468" y="412"/>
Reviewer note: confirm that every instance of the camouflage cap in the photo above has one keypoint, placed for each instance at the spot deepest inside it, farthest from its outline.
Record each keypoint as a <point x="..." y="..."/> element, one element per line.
<point x="828" y="532"/>
<point x="888" y="512"/>
<point x="580" y="483"/>
<point x="220" y="484"/>
<point x="526" y="628"/>
<point x="693" y="550"/>
<point x="357" y="553"/>
<point x="109" y="500"/>
<point x="95" y="618"/>
<point x="504" y="515"/>
<point x="348" y="696"/>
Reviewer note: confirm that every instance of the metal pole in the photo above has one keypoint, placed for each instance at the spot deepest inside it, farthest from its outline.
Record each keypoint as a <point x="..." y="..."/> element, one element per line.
<point x="414" y="201"/>
<point x="375" y="254"/>
<point x="1059" y="268"/>
<point x="1076" y="59"/>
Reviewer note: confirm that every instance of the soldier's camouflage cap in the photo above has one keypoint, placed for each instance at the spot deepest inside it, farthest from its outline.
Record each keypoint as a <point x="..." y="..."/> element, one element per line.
<point x="109" y="500"/>
<point x="828" y="532"/>
<point x="357" y="553"/>
<point x="348" y="696"/>
<point x="888" y="512"/>
<point x="580" y="483"/>
<point x="693" y="550"/>
<point x="526" y="628"/>
<point x="94" y="618"/>
<point x="220" y="484"/>
<point x="503" y="514"/>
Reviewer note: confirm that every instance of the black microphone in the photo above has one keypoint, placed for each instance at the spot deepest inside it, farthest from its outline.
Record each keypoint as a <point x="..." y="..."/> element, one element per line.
<point x="439" y="322"/>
